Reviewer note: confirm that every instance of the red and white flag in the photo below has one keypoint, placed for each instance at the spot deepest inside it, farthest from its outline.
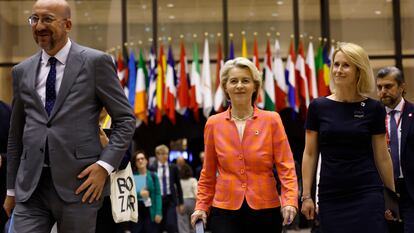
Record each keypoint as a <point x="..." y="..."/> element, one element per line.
<point x="281" y="86"/>
<point x="311" y="72"/>
<point x="301" y="79"/>
<point x="182" y="84"/>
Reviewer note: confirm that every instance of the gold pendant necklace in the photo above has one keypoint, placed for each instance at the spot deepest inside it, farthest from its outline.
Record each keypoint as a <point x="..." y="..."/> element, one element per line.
<point x="242" y="118"/>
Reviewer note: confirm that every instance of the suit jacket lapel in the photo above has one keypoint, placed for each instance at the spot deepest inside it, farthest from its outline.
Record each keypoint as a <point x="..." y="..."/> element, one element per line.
<point x="73" y="66"/>
<point x="406" y="124"/>
<point x="32" y="73"/>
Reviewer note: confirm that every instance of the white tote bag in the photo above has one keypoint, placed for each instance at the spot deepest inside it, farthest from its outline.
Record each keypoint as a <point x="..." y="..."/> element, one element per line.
<point x="124" y="196"/>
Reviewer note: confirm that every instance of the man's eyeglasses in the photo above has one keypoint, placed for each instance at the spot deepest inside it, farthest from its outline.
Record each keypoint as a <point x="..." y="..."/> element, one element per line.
<point x="33" y="20"/>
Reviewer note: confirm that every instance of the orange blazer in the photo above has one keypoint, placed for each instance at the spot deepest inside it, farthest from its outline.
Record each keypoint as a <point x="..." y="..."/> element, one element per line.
<point x="235" y="170"/>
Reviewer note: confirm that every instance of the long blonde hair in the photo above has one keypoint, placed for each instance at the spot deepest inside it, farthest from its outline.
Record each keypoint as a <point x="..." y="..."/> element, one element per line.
<point x="357" y="55"/>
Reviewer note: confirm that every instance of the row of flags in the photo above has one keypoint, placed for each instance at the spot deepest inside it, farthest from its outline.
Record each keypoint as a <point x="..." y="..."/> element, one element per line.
<point x="157" y="86"/>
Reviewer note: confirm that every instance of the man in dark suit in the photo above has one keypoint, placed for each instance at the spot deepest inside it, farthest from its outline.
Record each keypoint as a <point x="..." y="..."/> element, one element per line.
<point x="55" y="159"/>
<point x="5" y="112"/>
<point x="171" y="191"/>
<point x="400" y="132"/>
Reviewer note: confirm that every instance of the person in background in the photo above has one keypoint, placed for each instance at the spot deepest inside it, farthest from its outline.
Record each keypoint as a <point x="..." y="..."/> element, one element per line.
<point x="148" y="194"/>
<point x="105" y="222"/>
<point x="57" y="170"/>
<point x="5" y="113"/>
<point x="199" y="168"/>
<point x="189" y="186"/>
<point x="180" y="161"/>
<point x="237" y="186"/>
<point x="171" y="191"/>
<point x="400" y="135"/>
<point x="347" y="129"/>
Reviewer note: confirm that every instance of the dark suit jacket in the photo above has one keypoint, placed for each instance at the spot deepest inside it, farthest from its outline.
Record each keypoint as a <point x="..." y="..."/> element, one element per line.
<point x="71" y="131"/>
<point x="407" y="146"/>
<point x="5" y="113"/>
<point x="175" y="185"/>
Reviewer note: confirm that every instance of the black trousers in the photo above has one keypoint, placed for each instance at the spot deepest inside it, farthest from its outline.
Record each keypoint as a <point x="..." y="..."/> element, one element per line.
<point x="245" y="220"/>
<point x="406" y="210"/>
<point x="105" y="222"/>
<point x="169" y="215"/>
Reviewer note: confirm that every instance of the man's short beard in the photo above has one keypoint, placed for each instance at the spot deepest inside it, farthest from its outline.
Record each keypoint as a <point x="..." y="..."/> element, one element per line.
<point x="388" y="100"/>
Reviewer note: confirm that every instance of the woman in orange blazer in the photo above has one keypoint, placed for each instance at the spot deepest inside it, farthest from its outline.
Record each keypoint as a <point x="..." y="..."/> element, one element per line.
<point x="242" y="145"/>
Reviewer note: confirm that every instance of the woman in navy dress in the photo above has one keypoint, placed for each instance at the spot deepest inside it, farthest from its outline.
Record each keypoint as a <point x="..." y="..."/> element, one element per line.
<point x="348" y="129"/>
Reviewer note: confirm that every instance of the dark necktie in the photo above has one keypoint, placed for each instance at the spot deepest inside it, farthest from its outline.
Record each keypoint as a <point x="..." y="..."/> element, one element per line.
<point x="394" y="144"/>
<point x="51" y="86"/>
<point x="164" y="180"/>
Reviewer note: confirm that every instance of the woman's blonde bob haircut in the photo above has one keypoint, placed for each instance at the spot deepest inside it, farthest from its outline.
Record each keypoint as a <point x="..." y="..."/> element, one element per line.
<point x="243" y="63"/>
<point x="357" y="56"/>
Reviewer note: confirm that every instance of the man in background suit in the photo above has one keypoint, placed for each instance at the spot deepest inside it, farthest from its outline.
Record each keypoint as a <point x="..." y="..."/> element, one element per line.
<point x="390" y="86"/>
<point x="57" y="169"/>
<point x="5" y="112"/>
<point x="171" y="191"/>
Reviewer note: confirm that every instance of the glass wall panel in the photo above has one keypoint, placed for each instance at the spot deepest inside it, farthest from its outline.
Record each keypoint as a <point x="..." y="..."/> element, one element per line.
<point x="5" y="84"/>
<point x="409" y="80"/>
<point x="365" y="22"/>
<point x="15" y="33"/>
<point x="96" y="24"/>
<point x="139" y="21"/>
<point x="190" y="19"/>
<point x="264" y="17"/>
<point x="310" y="20"/>
<point x="407" y="22"/>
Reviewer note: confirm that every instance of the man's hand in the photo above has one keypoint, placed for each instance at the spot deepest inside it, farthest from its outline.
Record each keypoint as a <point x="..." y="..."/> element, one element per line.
<point x="157" y="219"/>
<point x="94" y="184"/>
<point x="9" y="204"/>
<point x="181" y="209"/>
<point x="389" y="216"/>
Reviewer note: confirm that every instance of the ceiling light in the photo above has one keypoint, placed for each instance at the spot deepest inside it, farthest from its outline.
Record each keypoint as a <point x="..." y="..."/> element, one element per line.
<point x="171" y="17"/>
<point x="279" y="2"/>
<point x="275" y="14"/>
<point x="170" y="5"/>
<point x="378" y="12"/>
<point x="26" y="12"/>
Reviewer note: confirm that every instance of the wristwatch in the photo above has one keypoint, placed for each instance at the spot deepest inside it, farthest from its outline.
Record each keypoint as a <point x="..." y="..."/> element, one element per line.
<point x="305" y="197"/>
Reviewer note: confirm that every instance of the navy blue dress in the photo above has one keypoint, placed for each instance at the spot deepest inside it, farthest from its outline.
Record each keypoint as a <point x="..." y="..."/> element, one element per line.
<point x="350" y="188"/>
